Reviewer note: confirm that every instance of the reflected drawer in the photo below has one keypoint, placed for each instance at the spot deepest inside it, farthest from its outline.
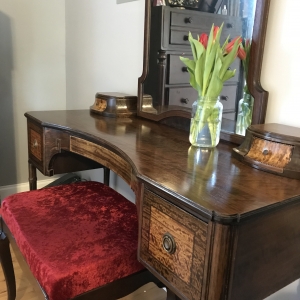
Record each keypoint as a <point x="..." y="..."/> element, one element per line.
<point x="204" y="21"/>
<point x="184" y="97"/>
<point x="178" y="73"/>
<point x="228" y="97"/>
<point x="173" y="243"/>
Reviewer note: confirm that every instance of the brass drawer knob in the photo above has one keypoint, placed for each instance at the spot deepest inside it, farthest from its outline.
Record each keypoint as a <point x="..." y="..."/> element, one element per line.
<point x="168" y="243"/>
<point x="265" y="151"/>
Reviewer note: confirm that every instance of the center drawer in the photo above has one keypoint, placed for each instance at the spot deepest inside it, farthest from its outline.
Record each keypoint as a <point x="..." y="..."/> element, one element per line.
<point x="173" y="243"/>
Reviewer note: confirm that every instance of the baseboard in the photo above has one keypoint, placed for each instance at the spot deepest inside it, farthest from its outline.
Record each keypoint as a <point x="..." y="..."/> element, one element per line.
<point x="21" y="187"/>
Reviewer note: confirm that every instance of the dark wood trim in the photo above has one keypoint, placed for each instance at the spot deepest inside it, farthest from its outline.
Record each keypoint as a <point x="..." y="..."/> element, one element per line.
<point x="256" y="56"/>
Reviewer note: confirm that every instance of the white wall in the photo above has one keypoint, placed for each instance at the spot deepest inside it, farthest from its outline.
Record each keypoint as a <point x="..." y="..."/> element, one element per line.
<point x="281" y="64"/>
<point x="104" y="53"/>
<point x="104" y="48"/>
<point x="32" y="75"/>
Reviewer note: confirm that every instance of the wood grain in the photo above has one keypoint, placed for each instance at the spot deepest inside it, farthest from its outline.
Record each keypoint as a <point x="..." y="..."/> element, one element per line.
<point x="279" y="155"/>
<point x="184" y="268"/>
<point x="103" y="156"/>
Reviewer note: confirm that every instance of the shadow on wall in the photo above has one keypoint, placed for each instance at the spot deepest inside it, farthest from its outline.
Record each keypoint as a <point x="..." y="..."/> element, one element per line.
<point x="7" y="137"/>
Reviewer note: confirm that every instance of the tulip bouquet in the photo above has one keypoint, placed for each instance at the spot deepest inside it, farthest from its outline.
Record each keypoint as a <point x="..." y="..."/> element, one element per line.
<point x="208" y="70"/>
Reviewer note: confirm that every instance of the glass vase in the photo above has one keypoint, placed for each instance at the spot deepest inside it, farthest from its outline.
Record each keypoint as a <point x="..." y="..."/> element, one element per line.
<point x="244" y="117"/>
<point x="206" y="122"/>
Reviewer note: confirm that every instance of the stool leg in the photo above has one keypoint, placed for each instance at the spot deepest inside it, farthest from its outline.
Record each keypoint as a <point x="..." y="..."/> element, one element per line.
<point x="106" y="175"/>
<point x="7" y="266"/>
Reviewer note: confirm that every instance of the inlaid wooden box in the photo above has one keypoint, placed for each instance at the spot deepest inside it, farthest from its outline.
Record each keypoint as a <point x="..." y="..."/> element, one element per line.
<point x="273" y="148"/>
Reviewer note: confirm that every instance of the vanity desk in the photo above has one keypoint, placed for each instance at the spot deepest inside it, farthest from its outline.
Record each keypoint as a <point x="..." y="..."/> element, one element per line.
<point x="210" y="228"/>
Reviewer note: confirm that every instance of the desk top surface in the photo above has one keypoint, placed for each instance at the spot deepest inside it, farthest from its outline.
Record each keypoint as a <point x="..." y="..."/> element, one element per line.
<point x="211" y="181"/>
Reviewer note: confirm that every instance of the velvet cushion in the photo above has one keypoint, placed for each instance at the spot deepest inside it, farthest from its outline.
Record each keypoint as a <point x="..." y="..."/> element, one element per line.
<point x="74" y="237"/>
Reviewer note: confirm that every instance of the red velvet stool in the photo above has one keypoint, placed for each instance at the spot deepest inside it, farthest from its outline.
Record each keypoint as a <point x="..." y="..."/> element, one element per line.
<point x="79" y="241"/>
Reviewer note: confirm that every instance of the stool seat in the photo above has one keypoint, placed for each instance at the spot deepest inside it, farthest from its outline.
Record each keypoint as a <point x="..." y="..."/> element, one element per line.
<point x="74" y="237"/>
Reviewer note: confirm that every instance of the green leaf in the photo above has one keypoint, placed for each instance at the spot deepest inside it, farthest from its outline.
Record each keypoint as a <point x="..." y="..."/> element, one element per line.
<point x="216" y="84"/>
<point x="229" y="58"/>
<point x="228" y="74"/>
<point x="197" y="46"/>
<point x="188" y="62"/>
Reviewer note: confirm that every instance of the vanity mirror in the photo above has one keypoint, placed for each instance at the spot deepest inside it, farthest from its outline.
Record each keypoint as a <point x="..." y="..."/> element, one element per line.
<point x="164" y="93"/>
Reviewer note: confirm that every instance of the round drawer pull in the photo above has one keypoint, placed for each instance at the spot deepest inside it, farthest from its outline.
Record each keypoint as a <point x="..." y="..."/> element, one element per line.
<point x="229" y="25"/>
<point x="224" y="98"/>
<point x="184" y="100"/>
<point x="185" y="37"/>
<point x="168" y="243"/>
<point x="184" y="69"/>
<point x="188" y="20"/>
<point x="265" y="151"/>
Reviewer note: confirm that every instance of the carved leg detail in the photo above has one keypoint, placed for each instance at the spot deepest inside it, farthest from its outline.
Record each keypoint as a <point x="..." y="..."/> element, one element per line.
<point x="7" y="266"/>
<point x="32" y="177"/>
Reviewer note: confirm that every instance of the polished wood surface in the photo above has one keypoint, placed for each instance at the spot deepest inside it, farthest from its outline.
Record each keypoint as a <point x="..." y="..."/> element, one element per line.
<point x="205" y="180"/>
<point x="249" y="230"/>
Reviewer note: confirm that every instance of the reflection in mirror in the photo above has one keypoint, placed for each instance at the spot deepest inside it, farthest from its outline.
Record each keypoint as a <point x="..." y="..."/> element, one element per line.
<point x="165" y="82"/>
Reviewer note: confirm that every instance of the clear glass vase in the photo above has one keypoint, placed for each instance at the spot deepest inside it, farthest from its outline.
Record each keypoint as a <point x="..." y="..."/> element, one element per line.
<point x="244" y="117"/>
<point x="206" y="122"/>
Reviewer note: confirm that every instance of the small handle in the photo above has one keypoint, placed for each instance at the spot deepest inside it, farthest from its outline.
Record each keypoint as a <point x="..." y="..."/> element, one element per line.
<point x="229" y="25"/>
<point x="168" y="243"/>
<point x="184" y="69"/>
<point x="224" y="98"/>
<point x="265" y="151"/>
<point x="185" y="37"/>
<point x="184" y="100"/>
<point x="188" y="20"/>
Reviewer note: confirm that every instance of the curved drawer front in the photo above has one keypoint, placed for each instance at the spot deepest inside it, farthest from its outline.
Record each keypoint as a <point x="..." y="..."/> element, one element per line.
<point x="103" y="156"/>
<point x="173" y="242"/>
<point x="269" y="155"/>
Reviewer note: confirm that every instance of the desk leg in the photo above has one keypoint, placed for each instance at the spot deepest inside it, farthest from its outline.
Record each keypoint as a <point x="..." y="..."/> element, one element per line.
<point x="171" y="295"/>
<point x="106" y="172"/>
<point x="32" y="177"/>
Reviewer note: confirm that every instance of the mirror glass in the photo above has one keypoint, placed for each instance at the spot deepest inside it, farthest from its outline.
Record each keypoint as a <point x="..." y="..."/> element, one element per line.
<point x="164" y="89"/>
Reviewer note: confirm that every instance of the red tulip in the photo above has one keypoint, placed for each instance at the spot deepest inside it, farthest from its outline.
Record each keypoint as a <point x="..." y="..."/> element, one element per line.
<point x="216" y="29"/>
<point x="203" y="39"/>
<point x="229" y="46"/>
<point x="241" y="53"/>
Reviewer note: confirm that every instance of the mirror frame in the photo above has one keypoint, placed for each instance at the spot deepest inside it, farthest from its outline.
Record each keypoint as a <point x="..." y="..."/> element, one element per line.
<point x="256" y="56"/>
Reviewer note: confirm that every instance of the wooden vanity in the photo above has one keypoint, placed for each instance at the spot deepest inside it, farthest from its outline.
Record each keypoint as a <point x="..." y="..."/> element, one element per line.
<point x="211" y="227"/>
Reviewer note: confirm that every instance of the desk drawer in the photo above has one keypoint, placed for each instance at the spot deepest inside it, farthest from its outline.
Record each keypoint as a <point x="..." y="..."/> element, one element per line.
<point x="274" y="156"/>
<point x="173" y="242"/>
